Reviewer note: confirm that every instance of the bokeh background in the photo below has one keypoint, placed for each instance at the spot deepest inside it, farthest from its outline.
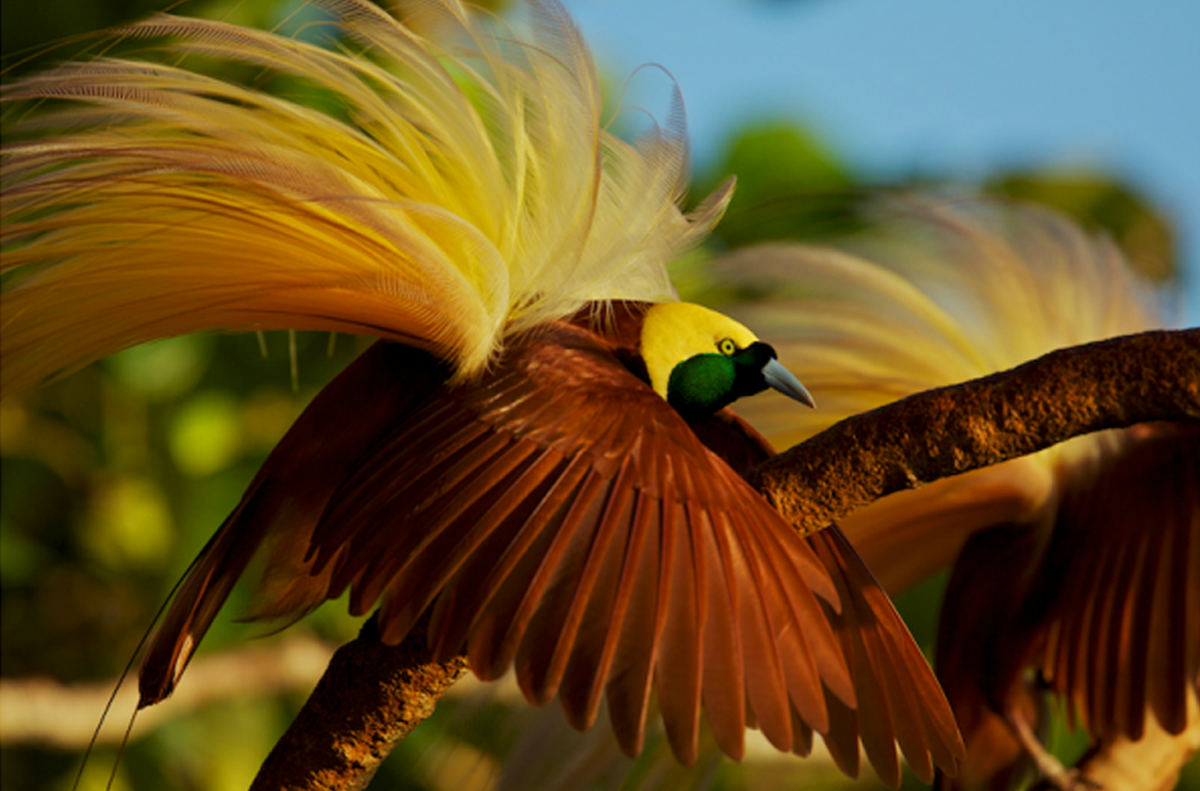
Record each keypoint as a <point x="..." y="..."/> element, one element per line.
<point x="114" y="478"/>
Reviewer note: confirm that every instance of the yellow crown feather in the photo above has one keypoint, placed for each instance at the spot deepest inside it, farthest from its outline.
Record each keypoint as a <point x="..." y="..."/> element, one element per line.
<point x="463" y="190"/>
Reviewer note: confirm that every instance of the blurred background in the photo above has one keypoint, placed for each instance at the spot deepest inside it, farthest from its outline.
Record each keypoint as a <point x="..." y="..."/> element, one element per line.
<point x="114" y="478"/>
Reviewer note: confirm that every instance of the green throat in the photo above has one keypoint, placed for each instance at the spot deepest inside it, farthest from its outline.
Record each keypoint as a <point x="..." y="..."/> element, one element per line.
<point x="704" y="383"/>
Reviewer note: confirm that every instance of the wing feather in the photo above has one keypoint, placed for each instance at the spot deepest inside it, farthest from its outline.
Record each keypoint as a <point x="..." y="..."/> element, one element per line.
<point x="873" y="714"/>
<point x="507" y="565"/>
<point x="1118" y="636"/>
<point x="385" y="553"/>
<point x="821" y="642"/>
<point x="560" y="518"/>
<point x="486" y="512"/>
<point x="633" y="646"/>
<point x="723" y="689"/>
<point x="286" y="498"/>
<point x="502" y="650"/>
<point x="898" y="697"/>
<point x="842" y="738"/>
<point x="681" y="647"/>
<point x="904" y="702"/>
<point x="766" y="690"/>
<point x="801" y="674"/>
<point x="562" y="610"/>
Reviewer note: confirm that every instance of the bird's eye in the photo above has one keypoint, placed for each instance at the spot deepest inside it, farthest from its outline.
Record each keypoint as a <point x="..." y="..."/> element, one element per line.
<point x="726" y="346"/>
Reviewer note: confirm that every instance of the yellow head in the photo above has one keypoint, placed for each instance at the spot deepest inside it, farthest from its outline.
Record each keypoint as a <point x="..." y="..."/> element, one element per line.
<point x="701" y="361"/>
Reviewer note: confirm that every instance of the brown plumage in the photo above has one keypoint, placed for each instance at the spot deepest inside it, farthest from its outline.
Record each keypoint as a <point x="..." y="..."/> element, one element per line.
<point x="559" y="516"/>
<point x="1101" y="598"/>
<point x="526" y="477"/>
<point x="1076" y="571"/>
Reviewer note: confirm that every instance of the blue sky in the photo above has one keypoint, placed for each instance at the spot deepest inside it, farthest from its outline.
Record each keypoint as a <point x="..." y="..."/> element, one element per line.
<point x="962" y="86"/>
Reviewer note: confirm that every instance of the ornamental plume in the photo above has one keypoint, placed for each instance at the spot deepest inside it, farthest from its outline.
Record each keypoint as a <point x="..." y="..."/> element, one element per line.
<point x="462" y="192"/>
<point x="1081" y="563"/>
<point x="537" y="454"/>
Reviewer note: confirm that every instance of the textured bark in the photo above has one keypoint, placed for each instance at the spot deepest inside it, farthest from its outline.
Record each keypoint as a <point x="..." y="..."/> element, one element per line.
<point x="372" y="695"/>
<point x="951" y="430"/>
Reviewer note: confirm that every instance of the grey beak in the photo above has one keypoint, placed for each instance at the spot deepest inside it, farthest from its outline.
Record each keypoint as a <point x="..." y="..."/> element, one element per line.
<point x="783" y="380"/>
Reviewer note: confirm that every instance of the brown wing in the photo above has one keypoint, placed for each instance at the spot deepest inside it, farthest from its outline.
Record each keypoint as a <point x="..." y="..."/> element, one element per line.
<point x="899" y="699"/>
<point x="1124" y="635"/>
<point x="983" y="646"/>
<point x="284" y="501"/>
<point x="1102" y="594"/>
<point x="565" y="519"/>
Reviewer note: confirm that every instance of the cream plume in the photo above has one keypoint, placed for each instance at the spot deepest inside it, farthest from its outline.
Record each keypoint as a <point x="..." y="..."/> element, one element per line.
<point x="461" y="190"/>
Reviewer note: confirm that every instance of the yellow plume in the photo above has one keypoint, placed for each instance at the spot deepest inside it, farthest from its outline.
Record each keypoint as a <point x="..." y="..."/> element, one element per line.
<point x="942" y="294"/>
<point x="461" y="191"/>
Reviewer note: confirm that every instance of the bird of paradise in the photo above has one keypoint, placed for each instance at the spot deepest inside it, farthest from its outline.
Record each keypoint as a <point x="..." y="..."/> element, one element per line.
<point x="1079" y="565"/>
<point x="537" y="452"/>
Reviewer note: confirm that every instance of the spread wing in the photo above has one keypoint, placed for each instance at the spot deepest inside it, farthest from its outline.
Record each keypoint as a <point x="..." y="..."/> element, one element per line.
<point x="1102" y="596"/>
<point x="558" y="516"/>
<point x="899" y="698"/>
<point x="1123" y="636"/>
<point x="284" y="501"/>
<point x="566" y="520"/>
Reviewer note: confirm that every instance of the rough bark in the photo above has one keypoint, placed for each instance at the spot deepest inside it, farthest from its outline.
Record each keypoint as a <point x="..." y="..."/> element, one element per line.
<point x="951" y="430"/>
<point x="373" y="695"/>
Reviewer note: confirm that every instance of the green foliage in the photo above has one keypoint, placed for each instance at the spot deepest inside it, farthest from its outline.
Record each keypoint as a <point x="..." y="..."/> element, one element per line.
<point x="1102" y="203"/>
<point x="790" y="186"/>
<point x="115" y="477"/>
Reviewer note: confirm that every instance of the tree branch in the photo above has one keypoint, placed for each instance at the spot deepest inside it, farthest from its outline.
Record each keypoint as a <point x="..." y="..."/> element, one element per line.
<point x="372" y="695"/>
<point x="1116" y="383"/>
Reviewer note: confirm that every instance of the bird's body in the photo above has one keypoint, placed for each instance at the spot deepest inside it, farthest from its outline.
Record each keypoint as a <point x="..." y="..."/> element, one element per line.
<point x="560" y="516"/>
<point x="1091" y="598"/>
<point x="1076" y="571"/>
<point x="536" y="450"/>
<point x="556" y="493"/>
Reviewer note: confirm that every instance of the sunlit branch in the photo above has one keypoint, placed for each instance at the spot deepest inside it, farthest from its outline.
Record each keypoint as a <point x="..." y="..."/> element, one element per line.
<point x="951" y="430"/>
<point x="369" y="699"/>
<point x="373" y="695"/>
